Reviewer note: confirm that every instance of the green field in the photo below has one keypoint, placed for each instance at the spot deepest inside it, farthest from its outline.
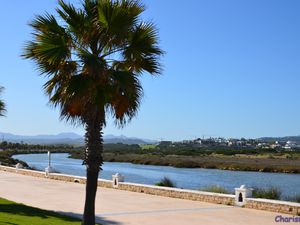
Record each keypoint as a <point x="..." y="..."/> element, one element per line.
<point x="148" y="146"/>
<point x="13" y="213"/>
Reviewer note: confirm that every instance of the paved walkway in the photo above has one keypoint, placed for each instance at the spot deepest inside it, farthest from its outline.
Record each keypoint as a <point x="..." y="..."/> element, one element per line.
<point x="115" y="207"/>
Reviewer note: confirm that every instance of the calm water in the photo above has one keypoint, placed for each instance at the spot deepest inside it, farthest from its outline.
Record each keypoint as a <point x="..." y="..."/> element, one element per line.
<point x="184" y="178"/>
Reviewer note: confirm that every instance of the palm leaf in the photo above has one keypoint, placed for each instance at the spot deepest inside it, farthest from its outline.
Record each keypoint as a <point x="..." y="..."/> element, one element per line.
<point x="2" y="105"/>
<point x="94" y="55"/>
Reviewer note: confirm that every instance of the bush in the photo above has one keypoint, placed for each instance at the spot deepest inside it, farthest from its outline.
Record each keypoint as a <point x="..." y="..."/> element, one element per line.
<point x="295" y="198"/>
<point x="216" y="189"/>
<point x="166" y="182"/>
<point x="268" y="193"/>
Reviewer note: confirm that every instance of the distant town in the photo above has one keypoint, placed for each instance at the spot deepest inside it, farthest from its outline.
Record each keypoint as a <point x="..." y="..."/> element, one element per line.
<point x="219" y="142"/>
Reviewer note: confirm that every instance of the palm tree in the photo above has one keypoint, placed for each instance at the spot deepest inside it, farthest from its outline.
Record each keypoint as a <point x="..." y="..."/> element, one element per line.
<point x="93" y="57"/>
<point x="2" y="105"/>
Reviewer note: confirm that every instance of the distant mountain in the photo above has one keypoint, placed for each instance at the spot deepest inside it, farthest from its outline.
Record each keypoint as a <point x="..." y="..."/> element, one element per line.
<point x="41" y="136"/>
<point x="69" y="138"/>
<point x="126" y="140"/>
<point x="62" y="138"/>
<point x="287" y="138"/>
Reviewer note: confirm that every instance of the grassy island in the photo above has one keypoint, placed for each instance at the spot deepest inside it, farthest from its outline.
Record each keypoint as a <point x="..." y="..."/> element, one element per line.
<point x="226" y="159"/>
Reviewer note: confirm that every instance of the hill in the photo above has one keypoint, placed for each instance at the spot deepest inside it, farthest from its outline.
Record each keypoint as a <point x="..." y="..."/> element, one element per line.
<point x="69" y="138"/>
<point x="283" y="139"/>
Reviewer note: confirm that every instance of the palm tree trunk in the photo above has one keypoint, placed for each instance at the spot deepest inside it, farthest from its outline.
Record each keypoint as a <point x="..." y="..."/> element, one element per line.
<point x="93" y="161"/>
<point x="90" y="195"/>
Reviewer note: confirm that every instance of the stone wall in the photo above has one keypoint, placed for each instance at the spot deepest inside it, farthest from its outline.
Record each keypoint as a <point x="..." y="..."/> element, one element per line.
<point x="55" y="176"/>
<point x="261" y="204"/>
<point x="22" y="171"/>
<point x="179" y="193"/>
<point x="273" y="206"/>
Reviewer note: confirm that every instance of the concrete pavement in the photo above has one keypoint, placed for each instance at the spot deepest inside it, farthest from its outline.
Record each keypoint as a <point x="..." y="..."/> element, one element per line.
<point x="116" y="207"/>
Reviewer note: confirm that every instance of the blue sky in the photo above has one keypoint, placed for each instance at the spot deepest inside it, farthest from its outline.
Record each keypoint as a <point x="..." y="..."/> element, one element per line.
<point x="231" y="69"/>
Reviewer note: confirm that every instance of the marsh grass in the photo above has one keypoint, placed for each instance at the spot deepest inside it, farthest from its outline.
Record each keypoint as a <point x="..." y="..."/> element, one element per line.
<point x="267" y="193"/>
<point x="295" y="198"/>
<point x="216" y="189"/>
<point x="166" y="182"/>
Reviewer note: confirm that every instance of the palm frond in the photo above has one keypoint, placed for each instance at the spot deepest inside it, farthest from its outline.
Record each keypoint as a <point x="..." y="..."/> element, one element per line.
<point x="93" y="57"/>
<point x="126" y="96"/>
<point x="75" y="19"/>
<point x="92" y="64"/>
<point x="2" y="105"/>
<point x="143" y="53"/>
<point x="116" y="19"/>
<point x="61" y="78"/>
<point x="50" y="46"/>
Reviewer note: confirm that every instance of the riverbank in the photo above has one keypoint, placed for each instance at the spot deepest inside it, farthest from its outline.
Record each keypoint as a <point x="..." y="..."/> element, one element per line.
<point x="259" y="163"/>
<point x="235" y="163"/>
<point x="6" y="158"/>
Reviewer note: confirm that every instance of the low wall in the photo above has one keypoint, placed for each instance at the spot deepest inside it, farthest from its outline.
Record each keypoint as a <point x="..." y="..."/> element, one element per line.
<point x="253" y="203"/>
<point x="273" y="206"/>
<point x="33" y="173"/>
<point x="179" y="193"/>
<point x="55" y="176"/>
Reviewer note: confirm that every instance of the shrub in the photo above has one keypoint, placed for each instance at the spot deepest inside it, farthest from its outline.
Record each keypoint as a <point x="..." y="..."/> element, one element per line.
<point x="295" y="198"/>
<point x="268" y="193"/>
<point x="215" y="189"/>
<point x="166" y="182"/>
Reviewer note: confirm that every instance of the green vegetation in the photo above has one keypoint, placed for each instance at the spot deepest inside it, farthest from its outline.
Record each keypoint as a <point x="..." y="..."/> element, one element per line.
<point x="7" y="160"/>
<point x="166" y="182"/>
<point x="241" y="162"/>
<point x="295" y="198"/>
<point x="186" y="150"/>
<point x="148" y="146"/>
<point x="267" y="193"/>
<point x="2" y="105"/>
<point x="216" y="189"/>
<point x="13" y="213"/>
<point x="4" y="145"/>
